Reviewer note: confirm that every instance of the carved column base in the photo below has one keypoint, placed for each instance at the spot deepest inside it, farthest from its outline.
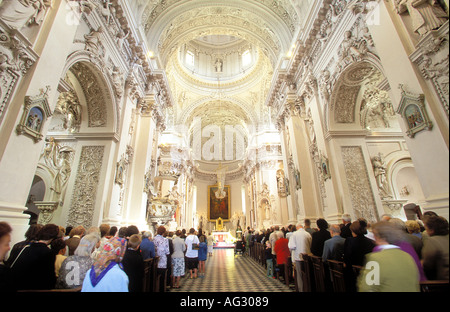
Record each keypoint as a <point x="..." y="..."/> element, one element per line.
<point x="395" y="208"/>
<point x="47" y="209"/>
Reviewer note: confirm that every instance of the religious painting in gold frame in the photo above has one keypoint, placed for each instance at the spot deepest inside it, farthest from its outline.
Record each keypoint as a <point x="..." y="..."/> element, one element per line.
<point x="219" y="208"/>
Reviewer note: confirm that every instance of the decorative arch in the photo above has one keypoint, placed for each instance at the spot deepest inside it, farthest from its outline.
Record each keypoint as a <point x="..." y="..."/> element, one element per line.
<point x="47" y="177"/>
<point x="345" y="103"/>
<point x="241" y="105"/>
<point x="397" y="167"/>
<point x="98" y="90"/>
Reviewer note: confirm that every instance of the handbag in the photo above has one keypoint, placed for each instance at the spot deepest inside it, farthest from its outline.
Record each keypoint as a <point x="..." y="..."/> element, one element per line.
<point x="18" y="256"/>
<point x="195" y="247"/>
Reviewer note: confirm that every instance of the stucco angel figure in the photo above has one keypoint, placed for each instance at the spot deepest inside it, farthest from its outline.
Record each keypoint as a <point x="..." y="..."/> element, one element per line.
<point x="379" y="169"/>
<point x="426" y="15"/>
<point x="173" y="194"/>
<point x="117" y="79"/>
<point x="51" y="153"/>
<point x="69" y="106"/>
<point x="92" y="40"/>
<point x="349" y="47"/>
<point x="21" y="13"/>
<point x="62" y="175"/>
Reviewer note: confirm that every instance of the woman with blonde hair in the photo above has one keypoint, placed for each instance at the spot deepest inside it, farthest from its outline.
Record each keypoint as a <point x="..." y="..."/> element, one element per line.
<point x="413" y="228"/>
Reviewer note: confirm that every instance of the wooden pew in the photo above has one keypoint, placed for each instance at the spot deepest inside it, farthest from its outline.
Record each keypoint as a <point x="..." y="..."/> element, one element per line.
<point x="74" y="290"/>
<point x="149" y="275"/>
<point x="319" y="273"/>
<point x="434" y="286"/>
<point x="308" y="283"/>
<point x="337" y="275"/>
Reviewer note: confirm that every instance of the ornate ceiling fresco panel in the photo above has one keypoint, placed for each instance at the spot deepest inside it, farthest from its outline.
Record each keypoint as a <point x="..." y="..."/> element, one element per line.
<point x="158" y="10"/>
<point x="224" y="30"/>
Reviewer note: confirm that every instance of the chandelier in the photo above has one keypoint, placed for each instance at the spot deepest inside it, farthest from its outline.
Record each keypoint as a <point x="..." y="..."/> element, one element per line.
<point x="221" y="173"/>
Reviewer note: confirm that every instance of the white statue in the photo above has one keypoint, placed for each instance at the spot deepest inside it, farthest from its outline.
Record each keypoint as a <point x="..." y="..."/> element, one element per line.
<point x="426" y="15"/>
<point x="349" y="47"/>
<point x="379" y="169"/>
<point x="219" y="66"/>
<point x="21" y="13"/>
<point x="92" y="40"/>
<point x="173" y="194"/>
<point x="62" y="175"/>
<point x="69" y="106"/>
<point x="117" y="79"/>
<point x="50" y="153"/>
<point x="266" y="209"/>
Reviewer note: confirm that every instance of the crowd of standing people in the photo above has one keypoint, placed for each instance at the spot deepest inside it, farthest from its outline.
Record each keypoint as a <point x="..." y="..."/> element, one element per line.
<point x="98" y="259"/>
<point x="108" y="259"/>
<point x="407" y="252"/>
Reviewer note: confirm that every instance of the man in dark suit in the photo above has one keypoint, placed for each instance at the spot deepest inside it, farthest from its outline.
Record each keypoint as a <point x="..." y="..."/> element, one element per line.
<point x="319" y="237"/>
<point x="133" y="264"/>
<point x="345" y="227"/>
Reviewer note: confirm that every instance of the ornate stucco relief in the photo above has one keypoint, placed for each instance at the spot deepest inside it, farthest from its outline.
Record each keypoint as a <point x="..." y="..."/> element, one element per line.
<point x="16" y="58"/>
<point x="94" y="92"/>
<point x="432" y="59"/>
<point x="86" y="186"/>
<point x="361" y="193"/>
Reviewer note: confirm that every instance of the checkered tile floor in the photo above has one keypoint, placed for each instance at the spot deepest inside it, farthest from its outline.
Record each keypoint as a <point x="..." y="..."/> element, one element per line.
<point x="226" y="272"/>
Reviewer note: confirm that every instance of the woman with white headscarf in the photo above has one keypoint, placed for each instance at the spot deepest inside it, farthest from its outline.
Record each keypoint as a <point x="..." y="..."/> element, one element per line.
<point x="74" y="268"/>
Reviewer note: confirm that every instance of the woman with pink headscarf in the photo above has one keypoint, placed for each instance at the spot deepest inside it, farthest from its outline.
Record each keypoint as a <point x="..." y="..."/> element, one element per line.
<point x="106" y="274"/>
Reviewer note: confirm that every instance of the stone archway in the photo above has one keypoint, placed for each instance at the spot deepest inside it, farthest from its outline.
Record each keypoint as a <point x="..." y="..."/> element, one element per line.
<point x="80" y="137"/>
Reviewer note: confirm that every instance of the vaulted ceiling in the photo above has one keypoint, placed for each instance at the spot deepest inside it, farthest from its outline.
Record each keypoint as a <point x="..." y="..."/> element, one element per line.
<point x="219" y="30"/>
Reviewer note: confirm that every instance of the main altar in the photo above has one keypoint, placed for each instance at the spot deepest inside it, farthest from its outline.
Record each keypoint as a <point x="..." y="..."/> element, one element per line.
<point x="222" y="237"/>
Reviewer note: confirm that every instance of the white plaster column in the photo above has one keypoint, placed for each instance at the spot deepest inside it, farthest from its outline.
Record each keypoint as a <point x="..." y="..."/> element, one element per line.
<point x="137" y="199"/>
<point x="309" y="202"/>
<point x="429" y="149"/>
<point x="292" y="200"/>
<point x="20" y="154"/>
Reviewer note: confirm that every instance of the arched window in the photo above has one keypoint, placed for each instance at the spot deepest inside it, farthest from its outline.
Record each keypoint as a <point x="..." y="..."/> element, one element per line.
<point x="246" y="58"/>
<point x="190" y="59"/>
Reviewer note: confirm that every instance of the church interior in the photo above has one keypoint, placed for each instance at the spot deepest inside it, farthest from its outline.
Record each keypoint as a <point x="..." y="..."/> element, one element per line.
<point x="222" y="115"/>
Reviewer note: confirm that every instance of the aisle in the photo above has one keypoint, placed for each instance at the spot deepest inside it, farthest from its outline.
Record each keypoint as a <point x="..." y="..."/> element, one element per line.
<point x="227" y="273"/>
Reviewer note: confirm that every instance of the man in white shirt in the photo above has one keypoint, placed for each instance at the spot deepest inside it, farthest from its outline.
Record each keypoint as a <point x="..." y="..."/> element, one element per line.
<point x="299" y="243"/>
<point x="192" y="253"/>
<point x="274" y="237"/>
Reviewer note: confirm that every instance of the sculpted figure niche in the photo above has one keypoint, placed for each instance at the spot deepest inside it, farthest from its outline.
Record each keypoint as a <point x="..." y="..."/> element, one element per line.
<point x="69" y="106"/>
<point x="92" y="40"/>
<point x="219" y="66"/>
<point x="426" y="15"/>
<point x="379" y="169"/>
<point x="20" y="13"/>
<point x="58" y="160"/>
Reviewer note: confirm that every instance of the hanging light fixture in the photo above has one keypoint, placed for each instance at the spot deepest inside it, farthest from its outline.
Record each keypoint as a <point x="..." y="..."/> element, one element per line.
<point x="221" y="173"/>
